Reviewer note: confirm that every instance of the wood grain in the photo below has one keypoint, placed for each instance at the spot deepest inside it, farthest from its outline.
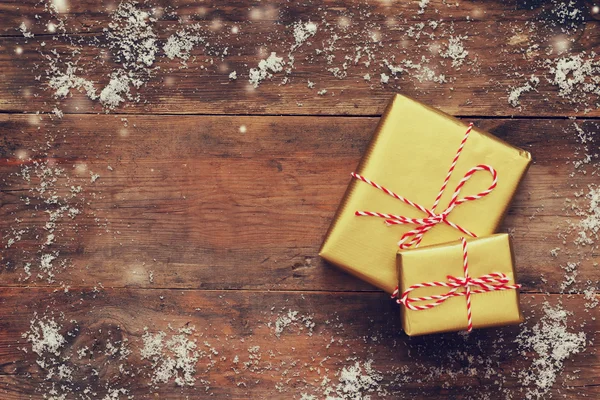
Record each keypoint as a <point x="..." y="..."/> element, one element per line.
<point x="496" y="63"/>
<point x="204" y="206"/>
<point x="93" y="16"/>
<point x="232" y="322"/>
<point x="205" y="202"/>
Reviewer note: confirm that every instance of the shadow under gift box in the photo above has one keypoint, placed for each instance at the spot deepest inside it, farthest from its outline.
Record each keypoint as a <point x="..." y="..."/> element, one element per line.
<point x="410" y="154"/>
<point x="486" y="255"/>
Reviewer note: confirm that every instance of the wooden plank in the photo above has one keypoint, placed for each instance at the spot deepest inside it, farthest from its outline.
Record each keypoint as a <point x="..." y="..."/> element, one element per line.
<point x="495" y="64"/>
<point x="199" y="204"/>
<point x="348" y="328"/>
<point x="88" y="16"/>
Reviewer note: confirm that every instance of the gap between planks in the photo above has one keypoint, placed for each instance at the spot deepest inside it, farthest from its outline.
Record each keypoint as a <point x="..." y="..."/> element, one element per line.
<point x="355" y="116"/>
<point x="295" y="292"/>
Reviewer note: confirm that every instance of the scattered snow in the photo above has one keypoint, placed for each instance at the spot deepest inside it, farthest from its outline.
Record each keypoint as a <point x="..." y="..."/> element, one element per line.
<point x="568" y="13"/>
<point x="302" y="32"/>
<point x="455" y="50"/>
<point x="422" y="6"/>
<point x="44" y="336"/>
<point x="265" y="69"/>
<point x="589" y="227"/>
<point x="394" y="69"/>
<point x="46" y="266"/>
<point x="422" y="72"/>
<point x="571" y="272"/>
<point x="356" y="382"/>
<point x="552" y="344"/>
<point x="63" y="81"/>
<point x="172" y="358"/>
<point x="115" y="394"/>
<point x="94" y="177"/>
<point x="180" y="44"/>
<point x="592" y="296"/>
<point x="289" y="318"/>
<point x="131" y="36"/>
<point x="26" y="33"/>
<point x="118" y="89"/>
<point x="58" y="113"/>
<point x="516" y="92"/>
<point x="284" y="321"/>
<point x="575" y="72"/>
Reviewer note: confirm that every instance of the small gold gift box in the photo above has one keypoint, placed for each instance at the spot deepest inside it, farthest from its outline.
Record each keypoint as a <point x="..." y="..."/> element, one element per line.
<point x="433" y="283"/>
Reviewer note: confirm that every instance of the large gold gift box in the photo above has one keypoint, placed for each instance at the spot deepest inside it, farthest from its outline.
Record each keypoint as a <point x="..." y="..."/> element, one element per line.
<point x="486" y="255"/>
<point x="410" y="154"/>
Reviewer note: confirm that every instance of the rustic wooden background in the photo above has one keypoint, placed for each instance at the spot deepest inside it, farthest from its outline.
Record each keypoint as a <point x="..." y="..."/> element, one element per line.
<point x="230" y="222"/>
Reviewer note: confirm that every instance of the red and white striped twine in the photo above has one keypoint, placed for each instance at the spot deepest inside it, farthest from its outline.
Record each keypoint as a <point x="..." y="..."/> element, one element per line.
<point x="415" y="236"/>
<point x="485" y="283"/>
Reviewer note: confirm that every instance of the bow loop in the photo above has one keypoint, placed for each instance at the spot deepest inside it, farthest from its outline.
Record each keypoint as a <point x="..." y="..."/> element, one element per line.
<point x="423" y="225"/>
<point x="455" y="201"/>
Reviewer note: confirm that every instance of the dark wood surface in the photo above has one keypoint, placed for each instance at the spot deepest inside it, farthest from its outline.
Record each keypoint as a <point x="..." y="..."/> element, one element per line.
<point x="195" y="221"/>
<point x="232" y="322"/>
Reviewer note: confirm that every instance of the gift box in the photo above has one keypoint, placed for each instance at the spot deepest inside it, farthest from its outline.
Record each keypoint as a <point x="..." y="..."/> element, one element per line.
<point x="456" y="286"/>
<point x="399" y="181"/>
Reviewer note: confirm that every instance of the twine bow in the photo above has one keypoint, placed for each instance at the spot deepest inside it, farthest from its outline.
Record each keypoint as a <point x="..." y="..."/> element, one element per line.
<point x="423" y="225"/>
<point x="485" y="283"/>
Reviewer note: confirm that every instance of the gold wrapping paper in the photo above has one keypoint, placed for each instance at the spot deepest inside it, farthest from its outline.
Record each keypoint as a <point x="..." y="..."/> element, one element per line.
<point x="410" y="154"/>
<point x="434" y="263"/>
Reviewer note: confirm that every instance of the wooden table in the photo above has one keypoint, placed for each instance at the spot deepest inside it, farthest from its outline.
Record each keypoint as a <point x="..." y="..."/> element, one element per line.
<point x="205" y="202"/>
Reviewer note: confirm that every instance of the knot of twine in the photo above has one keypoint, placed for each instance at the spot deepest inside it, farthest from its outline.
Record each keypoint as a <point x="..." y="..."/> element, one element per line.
<point x="485" y="283"/>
